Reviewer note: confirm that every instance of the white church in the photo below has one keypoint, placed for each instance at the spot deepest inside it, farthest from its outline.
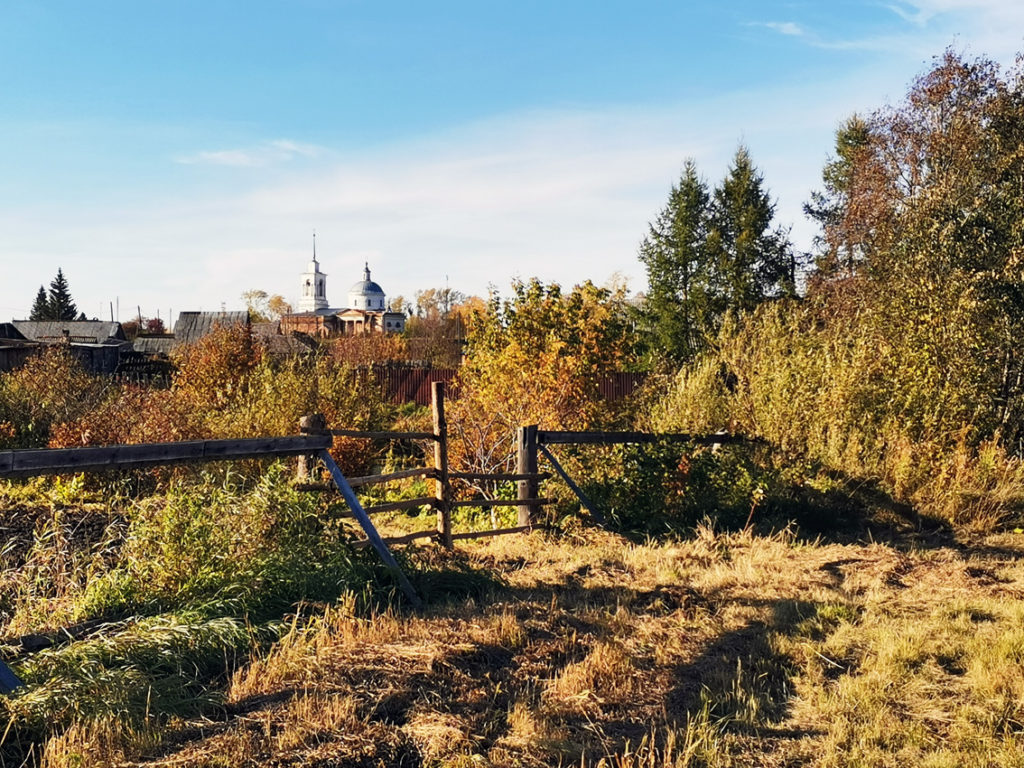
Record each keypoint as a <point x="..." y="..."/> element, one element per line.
<point x="367" y="310"/>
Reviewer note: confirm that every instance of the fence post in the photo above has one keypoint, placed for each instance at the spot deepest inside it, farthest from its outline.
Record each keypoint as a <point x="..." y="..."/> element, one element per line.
<point x="310" y="424"/>
<point x="526" y="442"/>
<point x="442" y="490"/>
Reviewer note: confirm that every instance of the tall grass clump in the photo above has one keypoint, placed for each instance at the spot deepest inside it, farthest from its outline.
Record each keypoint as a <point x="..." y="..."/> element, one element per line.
<point x="202" y="578"/>
<point x="227" y="548"/>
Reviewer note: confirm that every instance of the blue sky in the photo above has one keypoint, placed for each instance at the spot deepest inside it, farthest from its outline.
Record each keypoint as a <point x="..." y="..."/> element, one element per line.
<point x="171" y="155"/>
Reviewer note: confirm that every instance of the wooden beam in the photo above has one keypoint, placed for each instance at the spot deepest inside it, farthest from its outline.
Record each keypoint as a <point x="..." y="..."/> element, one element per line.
<point x="387" y="478"/>
<point x="382" y="435"/>
<point x="498" y="502"/>
<point x="591" y="507"/>
<point x="526" y="464"/>
<point x="368" y="528"/>
<point x="391" y="506"/>
<point x="498" y="477"/>
<point x="406" y="539"/>
<point x="548" y="437"/>
<point x="442" y="485"/>
<point x="495" y="532"/>
<point x="52" y="461"/>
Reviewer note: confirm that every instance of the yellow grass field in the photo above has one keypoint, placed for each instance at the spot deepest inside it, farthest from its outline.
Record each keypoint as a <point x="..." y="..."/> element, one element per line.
<point x="721" y="650"/>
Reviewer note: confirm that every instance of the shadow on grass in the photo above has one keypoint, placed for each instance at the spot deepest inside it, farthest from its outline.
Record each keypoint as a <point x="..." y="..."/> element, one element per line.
<point x="740" y="677"/>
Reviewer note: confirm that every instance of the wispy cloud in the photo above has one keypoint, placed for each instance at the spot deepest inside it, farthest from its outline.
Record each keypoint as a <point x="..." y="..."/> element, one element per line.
<point x="990" y="26"/>
<point x="266" y="154"/>
<point x="790" y="28"/>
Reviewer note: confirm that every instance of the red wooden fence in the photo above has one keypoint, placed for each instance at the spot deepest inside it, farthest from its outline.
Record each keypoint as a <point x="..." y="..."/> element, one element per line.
<point x="412" y="384"/>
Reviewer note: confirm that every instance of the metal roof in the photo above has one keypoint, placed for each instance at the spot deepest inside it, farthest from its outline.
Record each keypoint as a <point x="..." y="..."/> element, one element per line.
<point x="366" y="288"/>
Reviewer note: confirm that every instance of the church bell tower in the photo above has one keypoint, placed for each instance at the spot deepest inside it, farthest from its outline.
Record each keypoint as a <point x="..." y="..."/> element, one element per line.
<point x="313" y="294"/>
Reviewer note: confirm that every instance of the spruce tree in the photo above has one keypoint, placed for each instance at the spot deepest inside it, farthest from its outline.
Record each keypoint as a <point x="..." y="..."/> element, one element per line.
<point x="707" y="255"/>
<point x="678" y="311"/>
<point x="752" y="261"/>
<point x="41" y="306"/>
<point x="841" y="245"/>
<point x="60" y="303"/>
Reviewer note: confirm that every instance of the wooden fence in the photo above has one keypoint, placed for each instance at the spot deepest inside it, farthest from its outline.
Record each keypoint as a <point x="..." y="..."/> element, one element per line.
<point x="442" y="500"/>
<point x="314" y="444"/>
<point x="53" y="461"/>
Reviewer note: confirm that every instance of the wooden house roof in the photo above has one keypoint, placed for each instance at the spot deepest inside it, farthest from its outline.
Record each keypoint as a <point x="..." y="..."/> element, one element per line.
<point x="192" y="326"/>
<point x="77" y="331"/>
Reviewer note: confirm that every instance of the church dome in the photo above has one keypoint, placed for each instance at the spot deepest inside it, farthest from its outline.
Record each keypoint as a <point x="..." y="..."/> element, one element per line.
<point x="366" y="294"/>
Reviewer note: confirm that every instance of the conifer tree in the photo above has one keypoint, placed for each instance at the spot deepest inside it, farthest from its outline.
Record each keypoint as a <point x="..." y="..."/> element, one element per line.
<point x="61" y="306"/>
<point x="707" y="255"/>
<point x="841" y="245"/>
<point x="679" y="309"/>
<point x="41" y="306"/>
<point x="752" y="261"/>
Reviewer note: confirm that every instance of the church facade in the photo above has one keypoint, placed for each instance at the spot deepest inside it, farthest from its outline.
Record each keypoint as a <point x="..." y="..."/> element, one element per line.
<point x="367" y="310"/>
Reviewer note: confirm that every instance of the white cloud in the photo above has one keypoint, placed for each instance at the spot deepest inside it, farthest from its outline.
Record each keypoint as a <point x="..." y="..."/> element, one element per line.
<point x="790" y="28"/>
<point x="989" y="27"/>
<point x="263" y="155"/>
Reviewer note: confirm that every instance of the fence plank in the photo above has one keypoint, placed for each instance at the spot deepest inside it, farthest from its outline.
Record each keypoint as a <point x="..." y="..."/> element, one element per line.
<point x="392" y="506"/>
<point x="526" y="464"/>
<point x="594" y="511"/>
<point x="533" y="502"/>
<point x="442" y="485"/>
<point x="369" y="529"/>
<point x="495" y="532"/>
<point x="48" y="461"/>
<point x="507" y="477"/>
<point x="406" y="539"/>
<point x="549" y="437"/>
<point x="387" y="478"/>
<point x="382" y="435"/>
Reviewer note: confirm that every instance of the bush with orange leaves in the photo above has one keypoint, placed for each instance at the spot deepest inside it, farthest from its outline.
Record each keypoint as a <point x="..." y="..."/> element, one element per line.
<point x="51" y="388"/>
<point x="368" y="348"/>
<point x="226" y="387"/>
<point x="535" y="358"/>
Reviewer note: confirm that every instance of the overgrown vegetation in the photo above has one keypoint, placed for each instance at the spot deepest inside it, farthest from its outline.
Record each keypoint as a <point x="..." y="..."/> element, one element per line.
<point x="162" y="599"/>
<point x="903" y="362"/>
<point x="221" y="617"/>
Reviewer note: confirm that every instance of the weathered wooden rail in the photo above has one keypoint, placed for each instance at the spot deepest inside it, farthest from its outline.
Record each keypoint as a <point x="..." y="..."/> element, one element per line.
<point x="55" y="461"/>
<point x="554" y="437"/>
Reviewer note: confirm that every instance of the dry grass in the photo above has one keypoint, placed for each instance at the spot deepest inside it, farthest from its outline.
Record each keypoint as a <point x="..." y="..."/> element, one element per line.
<point x="724" y="650"/>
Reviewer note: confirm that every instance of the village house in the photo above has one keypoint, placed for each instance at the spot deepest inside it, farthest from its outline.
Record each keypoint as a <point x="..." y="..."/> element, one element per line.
<point x="97" y="344"/>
